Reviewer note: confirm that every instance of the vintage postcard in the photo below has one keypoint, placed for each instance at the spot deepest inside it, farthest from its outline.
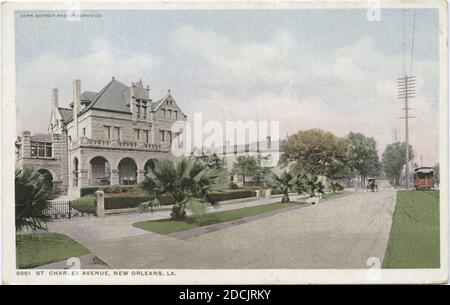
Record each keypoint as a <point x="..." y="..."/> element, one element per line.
<point x="238" y="142"/>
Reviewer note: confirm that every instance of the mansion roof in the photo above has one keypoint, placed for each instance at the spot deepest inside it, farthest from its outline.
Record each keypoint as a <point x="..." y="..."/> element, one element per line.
<point x="115" y="96"/>
<point x="41" y="137"/>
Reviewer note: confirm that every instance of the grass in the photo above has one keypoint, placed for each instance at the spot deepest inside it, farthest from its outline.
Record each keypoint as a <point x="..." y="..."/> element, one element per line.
<point x="38" y="249"/>
<point x="85" y="204"/>
<point x="414" y="237"/>
<point x="167" y="226"/>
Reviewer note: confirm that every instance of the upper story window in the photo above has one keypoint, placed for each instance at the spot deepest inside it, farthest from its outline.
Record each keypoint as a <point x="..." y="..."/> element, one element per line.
<point x="169" y="113"/>
<point x="137" y="134"/>
<point x="116" y="133"/>
<point x="41" y="149"/>
<point x="107" y="130"/>
<point x="145" y="136"/>
<point x="84" y="131"/>
<point x="176" y="114"/>
<point x="163" y="112"/>
<point x="163" y="135"/>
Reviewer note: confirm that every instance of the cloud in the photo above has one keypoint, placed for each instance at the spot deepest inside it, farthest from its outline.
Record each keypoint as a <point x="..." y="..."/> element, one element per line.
<point x="352" y="88"/>
<point x="36" y="79"/>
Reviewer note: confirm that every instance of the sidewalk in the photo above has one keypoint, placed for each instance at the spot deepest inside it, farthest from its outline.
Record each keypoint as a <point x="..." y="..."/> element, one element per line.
<point x="84" y="229"/>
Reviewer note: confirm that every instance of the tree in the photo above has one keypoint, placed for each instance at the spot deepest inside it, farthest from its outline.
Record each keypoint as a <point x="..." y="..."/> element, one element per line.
<point x="394" y="159"/>
<point x="336" y="186"/>
<point x="318" y="152"/>
<point x="284" y="183"/>
<point x="246" y="166"/>
<point x="212" y="161"/>
<point x="189" y="182"/>
<point x="32" y="200"/>
<point x="363" y="156"/>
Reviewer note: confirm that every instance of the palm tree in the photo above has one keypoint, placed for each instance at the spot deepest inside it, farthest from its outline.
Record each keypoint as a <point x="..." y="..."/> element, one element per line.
<point x="32" y="198"/>
<point x="188" y="181"/>
<point x="314" y="185"/>
<point x="284" y="183"/>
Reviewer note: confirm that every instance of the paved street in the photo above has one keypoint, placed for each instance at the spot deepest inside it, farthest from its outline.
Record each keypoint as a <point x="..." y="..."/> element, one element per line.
<point x="339" y="233"/>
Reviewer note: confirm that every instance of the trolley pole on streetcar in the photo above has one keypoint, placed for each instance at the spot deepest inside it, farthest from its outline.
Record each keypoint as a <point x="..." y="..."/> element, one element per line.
<point x="406" y="90"/>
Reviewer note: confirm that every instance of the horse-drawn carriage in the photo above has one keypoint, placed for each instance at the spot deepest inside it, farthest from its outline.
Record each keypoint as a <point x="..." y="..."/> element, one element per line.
<point x="372" y="185"/>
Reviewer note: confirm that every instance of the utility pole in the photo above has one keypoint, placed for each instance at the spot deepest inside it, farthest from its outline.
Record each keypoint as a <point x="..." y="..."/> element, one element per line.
<point x="406" y="91"/>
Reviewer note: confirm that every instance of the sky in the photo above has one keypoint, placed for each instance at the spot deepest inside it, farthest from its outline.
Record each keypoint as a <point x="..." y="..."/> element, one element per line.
<point x="330" y="69"/>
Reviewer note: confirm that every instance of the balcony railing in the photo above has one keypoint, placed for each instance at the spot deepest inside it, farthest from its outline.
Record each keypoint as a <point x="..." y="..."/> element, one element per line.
<point x="86" y="142"/>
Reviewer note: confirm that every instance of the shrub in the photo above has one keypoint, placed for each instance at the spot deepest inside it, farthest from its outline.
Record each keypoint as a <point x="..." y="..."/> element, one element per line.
<point x="232" y="194"/>
<point x="84" y="191"/>
<point x="90" y="190"/>
<point x="233" y="186"/>
<point x="122" y="202"/>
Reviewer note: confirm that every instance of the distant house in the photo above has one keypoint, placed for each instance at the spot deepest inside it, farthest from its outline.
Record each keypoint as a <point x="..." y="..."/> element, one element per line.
<point x="110" y="137"/>
<point x="266" y="152"/>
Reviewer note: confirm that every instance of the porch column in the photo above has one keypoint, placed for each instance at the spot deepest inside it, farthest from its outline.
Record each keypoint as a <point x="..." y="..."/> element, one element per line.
<point x="83" y="178"/>
<point x="114" y="177"/>
<point x="140" y="175"/>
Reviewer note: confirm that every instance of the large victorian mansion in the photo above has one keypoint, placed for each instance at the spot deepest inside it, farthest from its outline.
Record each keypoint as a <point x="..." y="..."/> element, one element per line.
<point x="110" y="137"/>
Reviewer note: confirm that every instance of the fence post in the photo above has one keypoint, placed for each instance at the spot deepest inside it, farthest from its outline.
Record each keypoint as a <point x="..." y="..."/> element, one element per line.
<point x="258" y="193"/>
<point x="268" y="193"/>
<point x="100" y="203"/>
<point x="70" y="209"/>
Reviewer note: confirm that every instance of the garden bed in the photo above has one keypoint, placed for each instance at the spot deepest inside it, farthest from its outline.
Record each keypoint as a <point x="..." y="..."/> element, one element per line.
<point x="168" y="226"/>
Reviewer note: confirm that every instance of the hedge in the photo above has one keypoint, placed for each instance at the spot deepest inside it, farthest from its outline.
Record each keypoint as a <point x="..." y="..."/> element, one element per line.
<point x="87" y="203"/>
<point x="232" y="194"/>
<point x="124" y="202"/>
<point x="90" y="190"/>
<point x="112" y="203"/>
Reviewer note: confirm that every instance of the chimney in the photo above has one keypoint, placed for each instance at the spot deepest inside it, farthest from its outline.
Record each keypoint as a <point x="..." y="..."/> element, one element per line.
<point x="54" y="105"/>
<point x="76" y="104"/>
<point x="133" y="102"/>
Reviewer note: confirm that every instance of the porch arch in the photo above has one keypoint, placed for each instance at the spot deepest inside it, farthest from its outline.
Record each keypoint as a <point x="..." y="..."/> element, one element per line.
<point x="48" y="176"/>
<point x="99" y="171"/>
<point x="127" y="168"/>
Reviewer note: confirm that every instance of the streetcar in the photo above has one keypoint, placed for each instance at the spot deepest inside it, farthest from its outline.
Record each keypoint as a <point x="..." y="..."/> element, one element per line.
<point x="423" y="178"/>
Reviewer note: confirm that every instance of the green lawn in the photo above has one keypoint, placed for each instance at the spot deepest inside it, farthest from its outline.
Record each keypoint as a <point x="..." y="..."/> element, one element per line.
<point x="167" y="226"/>
<point x="414" y="238"/>
<point x="38" y="249"/>
<point x="85" y="204"/>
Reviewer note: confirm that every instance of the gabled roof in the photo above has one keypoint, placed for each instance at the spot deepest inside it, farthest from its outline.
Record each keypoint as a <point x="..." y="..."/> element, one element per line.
<point x="112" y="97"/>
<point x="158" y="103"/>
<point x="41" y="137"/>
<point x="66" y="114"/>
